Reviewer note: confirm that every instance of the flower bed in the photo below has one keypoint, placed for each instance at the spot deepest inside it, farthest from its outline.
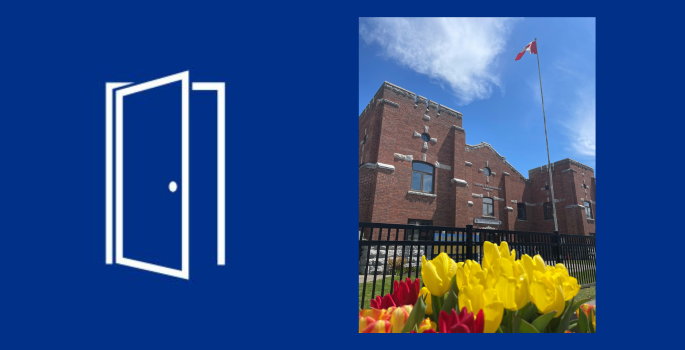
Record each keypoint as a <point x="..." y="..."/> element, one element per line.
<point x="503" y="295"/>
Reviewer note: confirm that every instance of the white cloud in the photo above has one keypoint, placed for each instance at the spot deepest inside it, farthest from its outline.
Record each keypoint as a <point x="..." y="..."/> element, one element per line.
<point x="460" y="52"/>
<point x="580" y="126"/>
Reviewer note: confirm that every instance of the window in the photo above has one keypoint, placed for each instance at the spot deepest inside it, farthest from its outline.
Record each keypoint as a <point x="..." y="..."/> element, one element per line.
<point x="549" y="211"/>
<point x="418" y="234"/>
<point x="588" y="210"/>
<point x="521" y="211"/>
<point x="425" y="137"/>
<point x="422" y="177"/>
<point x="486" y="171"/>
<point x="488" y="208"/>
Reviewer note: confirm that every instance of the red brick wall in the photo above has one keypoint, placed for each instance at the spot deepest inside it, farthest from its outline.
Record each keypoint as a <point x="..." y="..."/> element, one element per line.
<point x="390" y="120"/>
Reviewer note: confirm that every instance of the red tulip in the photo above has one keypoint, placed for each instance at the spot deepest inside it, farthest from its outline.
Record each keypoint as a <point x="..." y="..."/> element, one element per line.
<point x="461" y="323"/>
<point x="406" y="293"/>
<point x="383" y="303"/>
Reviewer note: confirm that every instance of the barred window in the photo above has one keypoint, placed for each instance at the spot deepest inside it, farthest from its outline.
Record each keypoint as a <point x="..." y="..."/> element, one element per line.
<point x="549" y="211"/>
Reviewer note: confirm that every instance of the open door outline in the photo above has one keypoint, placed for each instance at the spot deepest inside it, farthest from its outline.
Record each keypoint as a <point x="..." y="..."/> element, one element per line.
<point x="115" y="97"/>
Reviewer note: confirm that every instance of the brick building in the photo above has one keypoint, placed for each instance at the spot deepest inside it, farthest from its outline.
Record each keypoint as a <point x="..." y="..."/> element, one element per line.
<point x="415" y="167"/>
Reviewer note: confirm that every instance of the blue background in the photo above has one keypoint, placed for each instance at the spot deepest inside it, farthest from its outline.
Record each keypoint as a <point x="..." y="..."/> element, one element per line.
<point x="291" y="74"/>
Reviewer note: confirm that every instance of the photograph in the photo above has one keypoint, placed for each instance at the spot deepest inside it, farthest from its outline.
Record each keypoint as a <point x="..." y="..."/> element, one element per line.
<point x="477" y="175"/>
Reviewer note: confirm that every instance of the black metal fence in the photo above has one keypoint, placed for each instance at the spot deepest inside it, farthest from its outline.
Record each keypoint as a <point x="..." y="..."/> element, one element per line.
<point x="394" y="251"/>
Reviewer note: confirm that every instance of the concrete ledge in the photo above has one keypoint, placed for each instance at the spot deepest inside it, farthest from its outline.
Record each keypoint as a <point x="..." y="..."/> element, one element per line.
<point x="422" y="194"/>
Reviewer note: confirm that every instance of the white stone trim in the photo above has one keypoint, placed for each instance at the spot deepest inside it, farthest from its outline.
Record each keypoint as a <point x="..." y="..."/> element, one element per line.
<point x="378" y="165"/>
<point x="421" y="99"/>
<point x="480" y="170"/>
<point x="426" y="117"/>
<point x="470" y="203"/>
<point x="459" y="182"/>
<point x="416" y="134"/>
<point x="432" y="104"/>
<point x="475" y="195"/>
<point x="422" y="194"/>
<point x="395" y="104"/>
<point x="434" y="140"/>
<point x="425" y="128"/>
<point x="569" y="169"/>
<point x="498" y="199"/>
<point x="513" y="201"/>
<point x="443" y="166"/>
<point x="534" y="204"/>
<point x="451" y="111"/>
<point x="509" y="208"/>
<point x="425" y="145"/>
<point x="408" y="158"/>
<point x="398" y="90"/>
<point x="493" y="173"/>
<point x="506" y="173"/>
<point x="559" y="200"/>
<point x="459" y="128"/>
<point x="574" y="206"/>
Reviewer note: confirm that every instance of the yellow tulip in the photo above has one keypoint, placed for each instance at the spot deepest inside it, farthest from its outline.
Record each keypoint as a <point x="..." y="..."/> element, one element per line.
<point x="437" y="273"/>
<point x="546" y="295"/>
<point x="511" y="284"/>
<point x="490" y="254"/>
<point x="569" y="284"/>
<point x="477" y="298"/>
<point x="399" y="318"/>
<point x="429" y="304"/>
<point x="505" y="253"/>
<point x="470" y="273"/>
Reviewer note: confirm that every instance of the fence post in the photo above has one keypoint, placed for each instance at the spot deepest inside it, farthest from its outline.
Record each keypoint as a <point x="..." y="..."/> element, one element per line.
<point x="558" y="247"/>
<point x="469" y="242"/>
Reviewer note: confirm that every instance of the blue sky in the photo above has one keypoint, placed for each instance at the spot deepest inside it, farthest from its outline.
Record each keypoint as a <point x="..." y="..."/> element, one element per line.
<point x="468" y="64"/>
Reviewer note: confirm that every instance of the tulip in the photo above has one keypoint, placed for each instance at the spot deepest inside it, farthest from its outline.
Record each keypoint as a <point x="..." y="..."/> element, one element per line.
<point x="365" y="322"/>
<point x="438" y="273"/>
<point x="588" y="309"/>
<point x="470" y="273"/>
<point x="426" y="295"/>
<point x="406" y="292"/>
<point x="511" y="284"/>
<point x="490" y="254"/>
<point x="533" y="264"/>
<point x="546" y="295"/>
<point x="461" y="323"/>
<point x="379" y="326"/>
<point x="399" y="317"/>
<point x="383" y="303"/>
<point x="476" y="298"/>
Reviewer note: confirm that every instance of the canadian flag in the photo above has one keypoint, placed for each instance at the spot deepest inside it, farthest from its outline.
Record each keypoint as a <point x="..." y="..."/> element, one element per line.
<point x="532" y="47"/>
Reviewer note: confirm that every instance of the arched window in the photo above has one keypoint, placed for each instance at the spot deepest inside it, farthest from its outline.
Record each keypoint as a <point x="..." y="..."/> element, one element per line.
<point x="488" y="208"/>
<point x="422" y="177"/>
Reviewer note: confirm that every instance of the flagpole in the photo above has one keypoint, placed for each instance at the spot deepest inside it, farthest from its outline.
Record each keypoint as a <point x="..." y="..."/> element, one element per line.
<point x="549" y="167"/>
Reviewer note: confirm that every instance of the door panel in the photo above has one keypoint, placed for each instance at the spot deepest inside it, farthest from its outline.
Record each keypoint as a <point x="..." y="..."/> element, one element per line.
<point x="152" y="158"/>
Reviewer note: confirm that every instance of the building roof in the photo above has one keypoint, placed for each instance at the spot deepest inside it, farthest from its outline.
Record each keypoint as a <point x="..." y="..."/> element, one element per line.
<point x="483" y="144"/>
<point x="564" y="161"/>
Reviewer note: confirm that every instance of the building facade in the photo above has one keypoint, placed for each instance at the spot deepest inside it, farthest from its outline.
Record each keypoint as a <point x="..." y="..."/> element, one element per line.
<point x="416" y="168"/>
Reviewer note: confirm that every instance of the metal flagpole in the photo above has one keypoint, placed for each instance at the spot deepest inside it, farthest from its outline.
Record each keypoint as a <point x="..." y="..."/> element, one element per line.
<point x="549" y="166"/>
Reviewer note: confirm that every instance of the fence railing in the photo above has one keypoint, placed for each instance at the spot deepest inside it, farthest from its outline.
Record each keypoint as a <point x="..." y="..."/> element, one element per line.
<point x="394" y="251"/>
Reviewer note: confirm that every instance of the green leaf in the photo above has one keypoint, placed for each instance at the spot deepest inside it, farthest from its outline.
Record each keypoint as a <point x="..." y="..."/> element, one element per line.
<point x="526" y="327"/>
<point x="450" y="303"/>
<point x="527" y="312"/>
<point x="437" y="306"/>
<point x="416" y="328"/>
<point x="589" y="321"/>
<point x="504" y="329"/>
<point x="453" y="285"/>
<point x="572" y="324"/>
<point x="566" y="316"/>
<point x="499" y="330"/>
<point x="417" y="315"/>
<point x="582" y="322"/>
<point x="541" y="322"/>
<point x="515" y="324"/>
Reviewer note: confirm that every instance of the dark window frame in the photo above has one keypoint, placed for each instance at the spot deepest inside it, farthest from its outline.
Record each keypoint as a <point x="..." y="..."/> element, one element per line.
<point x="491" y="205"/>
<point x="432" y="174"/>
<point x="588" y="210"/>
<point x="521" y="207"/>
<point x="544" y="211"/>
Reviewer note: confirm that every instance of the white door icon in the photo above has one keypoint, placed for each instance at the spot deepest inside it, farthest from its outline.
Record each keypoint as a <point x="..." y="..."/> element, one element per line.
<point x="115" y="168"/>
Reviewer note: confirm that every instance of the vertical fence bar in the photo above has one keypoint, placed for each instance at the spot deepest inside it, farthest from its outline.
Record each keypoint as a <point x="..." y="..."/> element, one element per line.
<point x="469" y="241"/>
